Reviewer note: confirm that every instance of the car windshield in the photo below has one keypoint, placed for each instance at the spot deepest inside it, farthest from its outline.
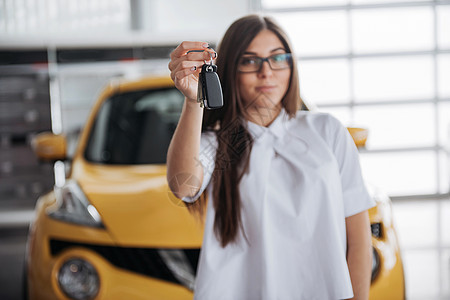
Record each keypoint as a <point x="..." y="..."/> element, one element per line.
<point x="135" y="127"/>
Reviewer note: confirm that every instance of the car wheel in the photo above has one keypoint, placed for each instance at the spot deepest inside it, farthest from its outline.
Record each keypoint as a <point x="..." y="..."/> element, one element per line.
<point x="24" y="281"/>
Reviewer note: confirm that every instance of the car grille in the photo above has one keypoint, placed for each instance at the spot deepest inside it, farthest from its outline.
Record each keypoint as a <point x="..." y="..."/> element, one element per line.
<point x="172" y="265"/>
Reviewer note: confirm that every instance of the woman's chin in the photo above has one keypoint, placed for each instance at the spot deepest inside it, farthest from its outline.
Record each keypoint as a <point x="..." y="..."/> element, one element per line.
<point x="265" y="100"/>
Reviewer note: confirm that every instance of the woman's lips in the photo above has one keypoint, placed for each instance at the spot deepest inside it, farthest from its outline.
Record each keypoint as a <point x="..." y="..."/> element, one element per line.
<point x="265" y="88"/>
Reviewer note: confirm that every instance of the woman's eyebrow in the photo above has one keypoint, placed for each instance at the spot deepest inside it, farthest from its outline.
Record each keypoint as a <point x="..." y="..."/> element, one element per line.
<point x="279" y="48"/>
<point x="254" y="53"/>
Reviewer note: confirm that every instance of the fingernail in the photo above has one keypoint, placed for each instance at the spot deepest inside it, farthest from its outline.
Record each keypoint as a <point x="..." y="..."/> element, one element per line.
<point x="205" y="45"/>
<point x="194" y="68"/>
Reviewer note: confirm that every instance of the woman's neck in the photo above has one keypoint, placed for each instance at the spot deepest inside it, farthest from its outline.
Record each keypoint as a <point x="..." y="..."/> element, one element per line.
<point x="263" y="116"/>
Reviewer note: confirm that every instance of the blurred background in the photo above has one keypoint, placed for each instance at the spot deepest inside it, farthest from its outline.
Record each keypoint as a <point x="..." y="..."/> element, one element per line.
<point x="378" y="64"/>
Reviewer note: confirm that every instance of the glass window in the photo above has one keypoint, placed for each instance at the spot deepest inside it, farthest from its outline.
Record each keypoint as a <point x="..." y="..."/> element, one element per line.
<point x="445" y="235"/>
<point x="443" y="80"/>
<point x="324" y="81"/>
<point x="393" y="78"/>
<point x="343" y="114"/>
<point x="4" y="17"/>
<point x="135" y="127"/>
<point x="403" y="173"/>
<point x="296" y="3"/>
<point x="444" y="124"/>
<point x="445" y="275"/>
<point x="392" y="29"/>
<point x="397" y="126"/>
<point x="316" y="33"/>
<point x="422" y="266"/>
<point x="379" y="33"/>
<point x="413" y="219"/>
<point x="53" y="16"/>
<point x="443" y="25"/>
<point x="383" y="1"/>
<point x="444" y="172"/>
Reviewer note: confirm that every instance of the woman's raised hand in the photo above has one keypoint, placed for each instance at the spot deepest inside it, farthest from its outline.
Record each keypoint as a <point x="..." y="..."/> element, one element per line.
<point x="185" y="66"/>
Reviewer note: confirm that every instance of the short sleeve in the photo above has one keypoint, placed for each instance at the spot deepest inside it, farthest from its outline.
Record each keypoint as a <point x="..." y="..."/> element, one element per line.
<point x="206" y="157"/>
<point x="355" y="194"/>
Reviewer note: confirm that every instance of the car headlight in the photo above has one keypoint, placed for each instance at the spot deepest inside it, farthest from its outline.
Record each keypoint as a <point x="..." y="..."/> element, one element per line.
<point x="78" y="279"/>
<point x="73" y="206"/>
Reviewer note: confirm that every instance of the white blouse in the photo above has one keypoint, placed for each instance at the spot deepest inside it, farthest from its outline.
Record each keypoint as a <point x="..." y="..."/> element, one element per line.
<point x="304" y="179"/>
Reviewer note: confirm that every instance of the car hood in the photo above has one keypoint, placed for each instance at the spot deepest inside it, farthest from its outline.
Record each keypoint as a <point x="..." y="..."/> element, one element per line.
<point x="137" y="207"/>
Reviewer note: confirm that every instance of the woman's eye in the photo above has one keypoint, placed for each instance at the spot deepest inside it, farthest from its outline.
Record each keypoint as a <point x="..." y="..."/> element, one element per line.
<point x="279" y="57"/>
<point x="248" y="61"/>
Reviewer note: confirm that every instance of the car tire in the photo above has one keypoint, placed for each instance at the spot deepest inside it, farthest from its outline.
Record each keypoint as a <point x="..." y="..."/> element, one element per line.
<point x="25" y="281"/>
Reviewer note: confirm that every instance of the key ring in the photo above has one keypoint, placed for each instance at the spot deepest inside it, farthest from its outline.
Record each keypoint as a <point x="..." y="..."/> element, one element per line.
<point x="210" y="68"/>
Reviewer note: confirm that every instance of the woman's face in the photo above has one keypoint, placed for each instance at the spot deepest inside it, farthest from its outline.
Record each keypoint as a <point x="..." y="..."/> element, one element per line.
<point x="262" y="91"/>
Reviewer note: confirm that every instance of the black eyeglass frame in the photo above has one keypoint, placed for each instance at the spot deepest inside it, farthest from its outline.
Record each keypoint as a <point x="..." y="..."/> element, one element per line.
<point x="267" y="59"/>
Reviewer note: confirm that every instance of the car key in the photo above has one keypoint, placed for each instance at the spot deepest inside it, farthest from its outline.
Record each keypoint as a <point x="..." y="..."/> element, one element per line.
<point x="209" y="91"/>
<point x="209" y="88"/>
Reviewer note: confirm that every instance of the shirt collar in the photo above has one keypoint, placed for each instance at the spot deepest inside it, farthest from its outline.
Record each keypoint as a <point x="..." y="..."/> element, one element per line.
<point x="277" y="128"/>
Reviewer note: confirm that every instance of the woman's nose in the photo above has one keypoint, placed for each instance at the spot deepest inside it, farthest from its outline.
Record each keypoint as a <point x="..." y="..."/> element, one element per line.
<point x="265" y="69"/>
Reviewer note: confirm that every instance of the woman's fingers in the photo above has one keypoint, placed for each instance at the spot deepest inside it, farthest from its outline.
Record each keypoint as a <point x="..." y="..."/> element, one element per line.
<point x="185" y="68"/>
<point x="185" y="46"/>
<point x="189" y="63"/>
<point x="199" y="58"/>
<point x="188" y="67"/>
<point x="191" y="51"/>
<point x="183" y="62"/>
<point x="179" y="75"/>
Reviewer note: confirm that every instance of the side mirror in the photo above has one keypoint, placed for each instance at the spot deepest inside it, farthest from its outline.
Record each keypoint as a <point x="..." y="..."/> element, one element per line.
<point x="359" y="135"/>
<point x="49" y="146"/>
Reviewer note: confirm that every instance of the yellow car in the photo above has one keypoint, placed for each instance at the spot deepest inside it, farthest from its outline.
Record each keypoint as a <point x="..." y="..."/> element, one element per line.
<point x="113" y="230"/>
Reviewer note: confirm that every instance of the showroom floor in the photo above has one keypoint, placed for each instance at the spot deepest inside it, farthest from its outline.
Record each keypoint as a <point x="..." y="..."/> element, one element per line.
<point x="423" y="228"/>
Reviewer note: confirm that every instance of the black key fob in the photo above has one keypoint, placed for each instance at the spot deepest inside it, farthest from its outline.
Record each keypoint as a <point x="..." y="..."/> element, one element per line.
<point x="209" y="88"/>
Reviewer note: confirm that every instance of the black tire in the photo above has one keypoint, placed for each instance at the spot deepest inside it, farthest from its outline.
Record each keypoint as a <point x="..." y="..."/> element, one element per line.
<point x="25" y="280"/>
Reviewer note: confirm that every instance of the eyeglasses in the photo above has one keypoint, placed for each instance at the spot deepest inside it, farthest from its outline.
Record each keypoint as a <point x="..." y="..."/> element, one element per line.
<point x="250" y="64"/>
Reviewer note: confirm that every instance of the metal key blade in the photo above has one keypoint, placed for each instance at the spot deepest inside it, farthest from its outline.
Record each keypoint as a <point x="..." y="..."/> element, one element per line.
<point x="200" y="96"/>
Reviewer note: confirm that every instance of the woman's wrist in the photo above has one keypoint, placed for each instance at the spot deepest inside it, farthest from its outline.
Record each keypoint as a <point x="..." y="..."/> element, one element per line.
<point x="192" y="104"/>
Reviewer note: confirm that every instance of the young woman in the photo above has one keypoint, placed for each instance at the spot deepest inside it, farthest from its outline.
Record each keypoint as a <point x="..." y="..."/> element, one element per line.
<point x="287" y="207"/>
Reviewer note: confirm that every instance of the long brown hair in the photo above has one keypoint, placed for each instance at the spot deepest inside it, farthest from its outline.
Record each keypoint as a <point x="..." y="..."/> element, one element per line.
<point x="234" y="140"/>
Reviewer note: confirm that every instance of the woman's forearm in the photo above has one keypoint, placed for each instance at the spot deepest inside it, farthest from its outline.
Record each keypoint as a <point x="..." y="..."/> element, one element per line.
<point x="359" y="254"/>
<point x="183" y="152"/>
